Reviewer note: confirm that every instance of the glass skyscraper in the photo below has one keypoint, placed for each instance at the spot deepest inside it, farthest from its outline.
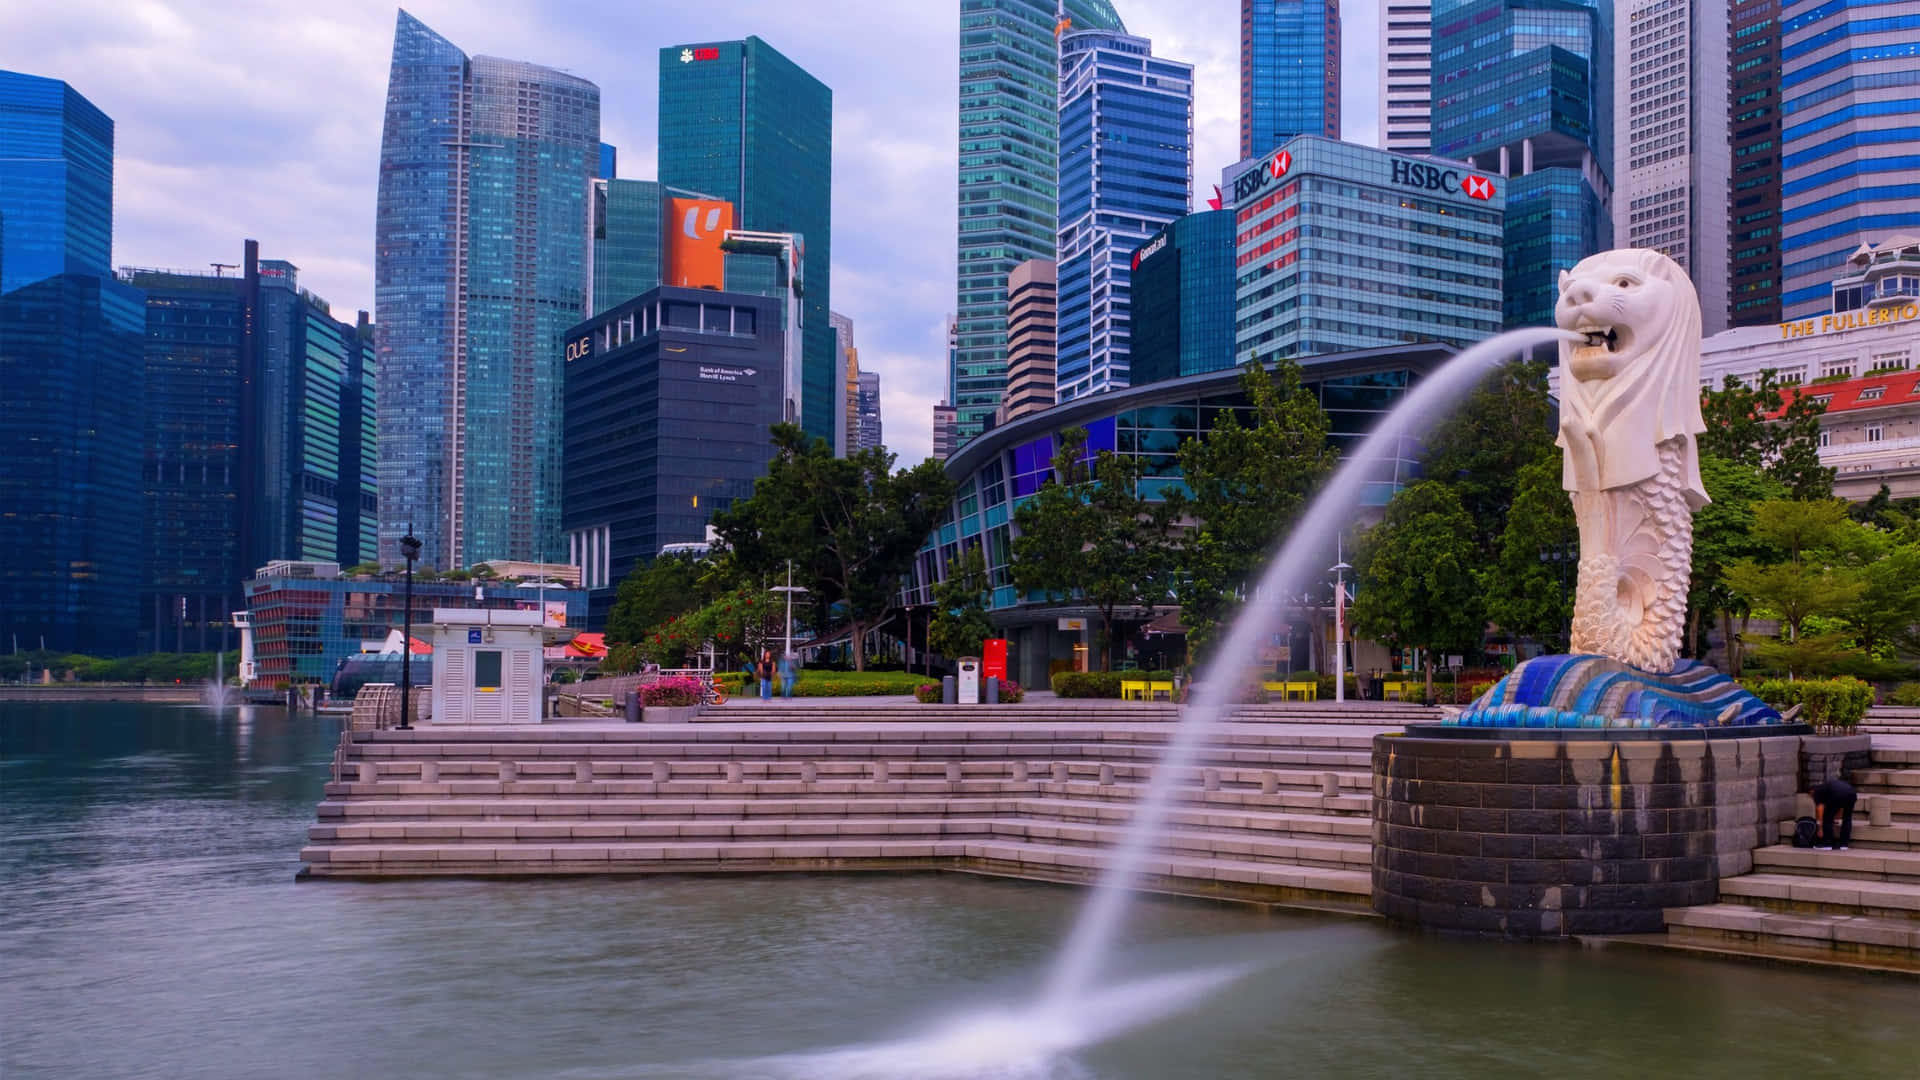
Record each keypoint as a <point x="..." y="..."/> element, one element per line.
<point x="480" y="265"/>
<point x="1126" y="171"/>
<point x="743" y="123"/>
<point x="74" y="389"/>
<point x="1183" y="299"/>
<point x="56" y="181"/>
<point x="1009" y="77"/>
<point x="1753" y="225"/>
<point x="1524" y="89"/>
<point x="1289" y="72"/>
<point x="1850" y="128"/>
<point x="258" y="443"/>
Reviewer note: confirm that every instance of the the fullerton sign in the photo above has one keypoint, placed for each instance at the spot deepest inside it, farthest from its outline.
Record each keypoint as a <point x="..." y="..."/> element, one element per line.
<point x="1850" y="320"/>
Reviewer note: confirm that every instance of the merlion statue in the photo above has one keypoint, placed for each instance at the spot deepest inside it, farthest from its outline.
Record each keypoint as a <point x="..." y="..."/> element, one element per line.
<point x="1629" y="412"/>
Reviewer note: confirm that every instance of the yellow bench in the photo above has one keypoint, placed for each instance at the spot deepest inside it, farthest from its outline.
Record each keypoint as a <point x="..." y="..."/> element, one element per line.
<point x="1146" y="689"/>
<point x="1396" y="689"/>
<point x="1293" y="689"/>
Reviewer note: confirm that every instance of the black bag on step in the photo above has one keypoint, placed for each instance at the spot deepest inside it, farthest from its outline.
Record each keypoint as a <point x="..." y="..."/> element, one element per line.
<point x="1806" y="832"/>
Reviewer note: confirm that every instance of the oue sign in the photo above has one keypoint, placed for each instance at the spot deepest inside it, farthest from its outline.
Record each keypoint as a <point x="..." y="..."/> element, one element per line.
<point x="580" y="348"/>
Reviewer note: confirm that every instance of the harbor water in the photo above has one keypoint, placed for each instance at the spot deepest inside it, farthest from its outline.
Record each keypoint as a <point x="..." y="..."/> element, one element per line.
<point x="152" y="926"/>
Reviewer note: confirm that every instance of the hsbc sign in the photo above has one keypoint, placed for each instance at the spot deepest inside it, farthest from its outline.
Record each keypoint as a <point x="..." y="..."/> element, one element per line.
<point x="1255" y="180"/>
<point x="1424" y="177"/>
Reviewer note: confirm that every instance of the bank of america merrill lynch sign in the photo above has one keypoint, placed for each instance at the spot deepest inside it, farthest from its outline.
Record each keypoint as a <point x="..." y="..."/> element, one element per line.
<point x="1419" y="175"/>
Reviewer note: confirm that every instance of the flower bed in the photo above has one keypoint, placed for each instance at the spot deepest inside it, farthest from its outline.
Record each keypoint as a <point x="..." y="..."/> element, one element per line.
<point x="677" y="690"/>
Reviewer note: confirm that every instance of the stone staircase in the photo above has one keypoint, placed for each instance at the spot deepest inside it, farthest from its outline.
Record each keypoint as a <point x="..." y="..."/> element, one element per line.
<point x="1273" y="811"/>
<point x="1854" y="908"/>
<point x="1891" y="720"/>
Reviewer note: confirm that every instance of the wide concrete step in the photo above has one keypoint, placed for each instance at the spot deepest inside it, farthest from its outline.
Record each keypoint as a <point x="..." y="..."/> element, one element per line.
<point x="1852" y="940"/>
<point x="1888" y="865"/>
<point x="1902" y="835"/>
<point x="1901" y="781"/>
<point x="1347" y="889"/>
<point x="1182" y="842"/>
<point x="615" y="740"/>
<point x="1095" y="803"/>
<point x="845" y="756"/>
<point x="1835" y="895"/>
<point x="1264" y="831"/>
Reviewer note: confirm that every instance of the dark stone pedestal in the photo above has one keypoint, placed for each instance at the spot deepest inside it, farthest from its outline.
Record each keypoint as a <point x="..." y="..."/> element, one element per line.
<point x="1558" y="834"/>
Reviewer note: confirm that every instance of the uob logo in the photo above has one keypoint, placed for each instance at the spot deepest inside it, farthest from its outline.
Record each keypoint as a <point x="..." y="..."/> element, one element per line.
<point x="691" y="225"/>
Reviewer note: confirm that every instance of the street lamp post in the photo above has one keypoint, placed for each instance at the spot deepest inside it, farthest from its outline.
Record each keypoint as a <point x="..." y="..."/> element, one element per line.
<point x="1340" y="630"/>
<point x="409" y="547"/>
<point x="789" y="588"/>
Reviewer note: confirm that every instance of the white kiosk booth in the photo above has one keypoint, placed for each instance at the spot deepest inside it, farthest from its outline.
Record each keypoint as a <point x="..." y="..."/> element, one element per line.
<point x="489" y="666"/>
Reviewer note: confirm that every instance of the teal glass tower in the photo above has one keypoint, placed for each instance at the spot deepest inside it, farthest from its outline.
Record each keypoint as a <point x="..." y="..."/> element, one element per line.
<point x="743" y="123"/>
<point x="1524" y="88"/>
<point x="1182" y="316"/>
<point x="1009" y="177"/>
<point x="1289" y="72"/>
<point x="480" y="265"/>
<point x="74" y="393"/>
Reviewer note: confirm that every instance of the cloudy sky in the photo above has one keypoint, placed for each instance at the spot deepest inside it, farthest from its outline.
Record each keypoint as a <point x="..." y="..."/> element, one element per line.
<point x="262" y="119"/>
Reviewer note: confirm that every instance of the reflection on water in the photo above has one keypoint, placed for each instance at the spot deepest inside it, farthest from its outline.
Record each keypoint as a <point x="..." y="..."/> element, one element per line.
<point x="151" y="927"/>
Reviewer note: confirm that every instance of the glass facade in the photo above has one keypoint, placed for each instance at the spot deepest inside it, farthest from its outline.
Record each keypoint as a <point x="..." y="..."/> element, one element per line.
<point x="1524" y="89"/>
<point x="1340" y="246"/>
<point x="1753" y="222"/>
<point x="1850" y="137"/>
<point x="303" y="626"/>
<point x="1289" y="71"/>
<point x="1003" y="468"/>
<point x="70" y="362"/>
<point x="56" y="182"/>
<point x="1126" y="171"/>
<point x="669" y="398"/>
<point x="480" y="264"/>
<point x="744" y="123"/>
<point x="1183" y="299"/>
<point x="258" y="446"/>
<point x="1009" y="141"/>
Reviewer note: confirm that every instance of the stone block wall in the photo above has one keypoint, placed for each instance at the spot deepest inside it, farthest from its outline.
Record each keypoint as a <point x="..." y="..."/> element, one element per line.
<point x="1551" y="837"/>
<point x="1824" y="757"/>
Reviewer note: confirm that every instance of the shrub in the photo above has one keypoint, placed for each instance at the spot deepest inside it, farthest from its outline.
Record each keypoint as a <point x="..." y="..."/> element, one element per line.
<point x="812" y="682"/>
<point x="1087" y="684"/>
<point x="734" y="683"/>
<point x="1826" y="703"/>
<point x="1011" y="693"/>
<point x="1478" y="690"/>
<point x="676" y="691"/>
<point x="1325" y="690"/>
<point x="1907" y="693"/>
<point x="927" y="693"/>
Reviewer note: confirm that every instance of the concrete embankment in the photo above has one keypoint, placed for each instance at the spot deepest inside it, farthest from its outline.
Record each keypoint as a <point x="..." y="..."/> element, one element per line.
<point x="75" y="692"/>
<point x="1274" y="812"/>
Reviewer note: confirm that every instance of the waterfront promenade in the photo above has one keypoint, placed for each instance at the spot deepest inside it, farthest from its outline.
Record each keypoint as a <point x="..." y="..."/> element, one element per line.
<point x="1276" y="811"/>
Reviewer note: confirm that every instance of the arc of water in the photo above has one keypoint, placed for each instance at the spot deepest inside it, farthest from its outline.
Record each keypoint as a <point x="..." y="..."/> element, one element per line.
<point x="1298" y="561"/>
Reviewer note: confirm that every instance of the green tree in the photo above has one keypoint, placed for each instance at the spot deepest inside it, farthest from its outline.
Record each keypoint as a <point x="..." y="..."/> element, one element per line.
<point x="1416" y="584"/>
<point x="1480" y="451"/>
<point x="850" y="525"/>
<point x="1723" y="534"/>
<point x="1820" y="576"/>
<point x="1090" y="535"/>
<point x="960" y="620"/>
<point x="1759" y="426"/>
<point x="654" y="592"/>
<point x="1247" y="484"/>
<point x="1529" y="586"/>
<point x="1883" y="618"/>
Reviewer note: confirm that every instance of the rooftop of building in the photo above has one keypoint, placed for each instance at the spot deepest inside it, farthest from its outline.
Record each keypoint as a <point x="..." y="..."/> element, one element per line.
<point x="1872" y="391"/>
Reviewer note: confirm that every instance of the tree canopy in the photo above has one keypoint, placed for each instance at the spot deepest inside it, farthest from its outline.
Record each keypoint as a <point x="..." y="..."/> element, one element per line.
<point x="1416" y="581"/>
<point x="1246" y="483"/>
<point x="850" y="525"/>
<point x="960" y="620"/>
<point x="1758" y="426"/>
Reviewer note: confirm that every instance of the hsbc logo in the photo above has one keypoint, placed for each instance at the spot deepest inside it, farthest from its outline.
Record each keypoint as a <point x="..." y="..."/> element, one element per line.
<point x="1251" y="182"/>
<point x="1419" y="174"/>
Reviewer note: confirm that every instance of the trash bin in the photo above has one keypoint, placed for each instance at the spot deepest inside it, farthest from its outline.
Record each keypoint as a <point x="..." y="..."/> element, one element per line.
<point x="633" y="706"/>
<point x="968" y="680"/>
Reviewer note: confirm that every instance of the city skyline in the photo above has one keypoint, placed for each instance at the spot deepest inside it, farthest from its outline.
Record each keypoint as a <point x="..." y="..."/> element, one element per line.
<point x="210" y="151"/>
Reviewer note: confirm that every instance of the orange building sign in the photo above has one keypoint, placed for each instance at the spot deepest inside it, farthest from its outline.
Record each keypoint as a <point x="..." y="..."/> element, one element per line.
<point x="694" y="231"/>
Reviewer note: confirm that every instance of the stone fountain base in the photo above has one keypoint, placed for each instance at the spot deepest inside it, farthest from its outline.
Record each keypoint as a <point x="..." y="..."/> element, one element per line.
<point x="1584" y="691"/>
<point x="1545" y="833"/>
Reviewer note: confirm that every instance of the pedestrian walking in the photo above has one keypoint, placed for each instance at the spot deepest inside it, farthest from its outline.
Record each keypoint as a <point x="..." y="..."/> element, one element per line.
<point x="764" y="672"/>
<point x="789" y="674"/>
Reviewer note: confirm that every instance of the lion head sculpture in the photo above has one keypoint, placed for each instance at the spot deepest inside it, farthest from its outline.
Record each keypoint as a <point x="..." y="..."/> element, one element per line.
<point x="1633" y="383"/>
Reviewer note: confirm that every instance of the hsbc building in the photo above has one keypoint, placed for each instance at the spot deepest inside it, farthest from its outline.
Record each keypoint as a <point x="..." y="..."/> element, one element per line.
<point x="1340" y="247"/>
